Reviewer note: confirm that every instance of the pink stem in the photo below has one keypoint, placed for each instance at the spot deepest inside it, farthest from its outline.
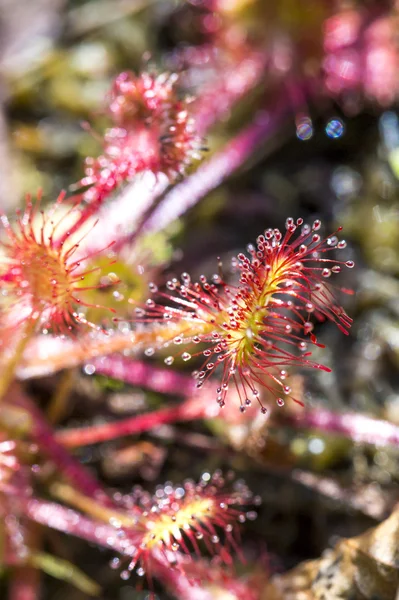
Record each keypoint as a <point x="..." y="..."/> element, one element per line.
<point x="83" y="436"/>
<point x="119" y="218"/>
<point x="71" y="522"/>
<point x="142" y="374"/>
<point x="359" y="428"/>
<point x="70" y="468"/>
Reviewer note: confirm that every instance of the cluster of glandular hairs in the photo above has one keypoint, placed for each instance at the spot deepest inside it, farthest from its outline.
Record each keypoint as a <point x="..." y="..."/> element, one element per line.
<point x="152" y="130"/>
<point x="182" y="518"/>
<point x="41" y="277"/>
<point x="258" y="328"/>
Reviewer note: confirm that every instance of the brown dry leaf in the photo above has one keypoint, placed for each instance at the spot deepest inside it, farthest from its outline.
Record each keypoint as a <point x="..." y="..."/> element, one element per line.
<point x="361" y="568"/>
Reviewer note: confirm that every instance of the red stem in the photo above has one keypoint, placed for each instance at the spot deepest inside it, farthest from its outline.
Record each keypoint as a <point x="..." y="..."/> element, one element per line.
<point x="83" y="436"/>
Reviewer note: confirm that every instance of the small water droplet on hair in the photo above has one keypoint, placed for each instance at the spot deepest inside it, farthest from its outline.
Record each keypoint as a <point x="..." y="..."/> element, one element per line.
<point x="152" y="287"/>
<point x="316" y="225"/>
<point x="307" y="327"/>
<point x="115" y="563"/>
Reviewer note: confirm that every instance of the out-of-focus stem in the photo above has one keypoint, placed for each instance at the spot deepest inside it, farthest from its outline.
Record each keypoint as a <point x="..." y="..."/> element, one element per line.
<point x="9" y="367"/>
<point x="58" y="401"/>
<point x="87" y="505"/>
<point x="69" y="467"/>
<point x="49" y="355"/>
<point x="142" y="374"/>
<point x="367" y="498"/>
<point x="72" y="522"/>
<point x="357" y="427"/>
<point x="24" y="584"/>
<point x="117" y="220"/>
<point x="25" y="580"/>
<point x="83" y="436"/>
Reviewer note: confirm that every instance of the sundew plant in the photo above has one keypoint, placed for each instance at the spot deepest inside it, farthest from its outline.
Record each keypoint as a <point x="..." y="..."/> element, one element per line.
<point x="198" y="304"/>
